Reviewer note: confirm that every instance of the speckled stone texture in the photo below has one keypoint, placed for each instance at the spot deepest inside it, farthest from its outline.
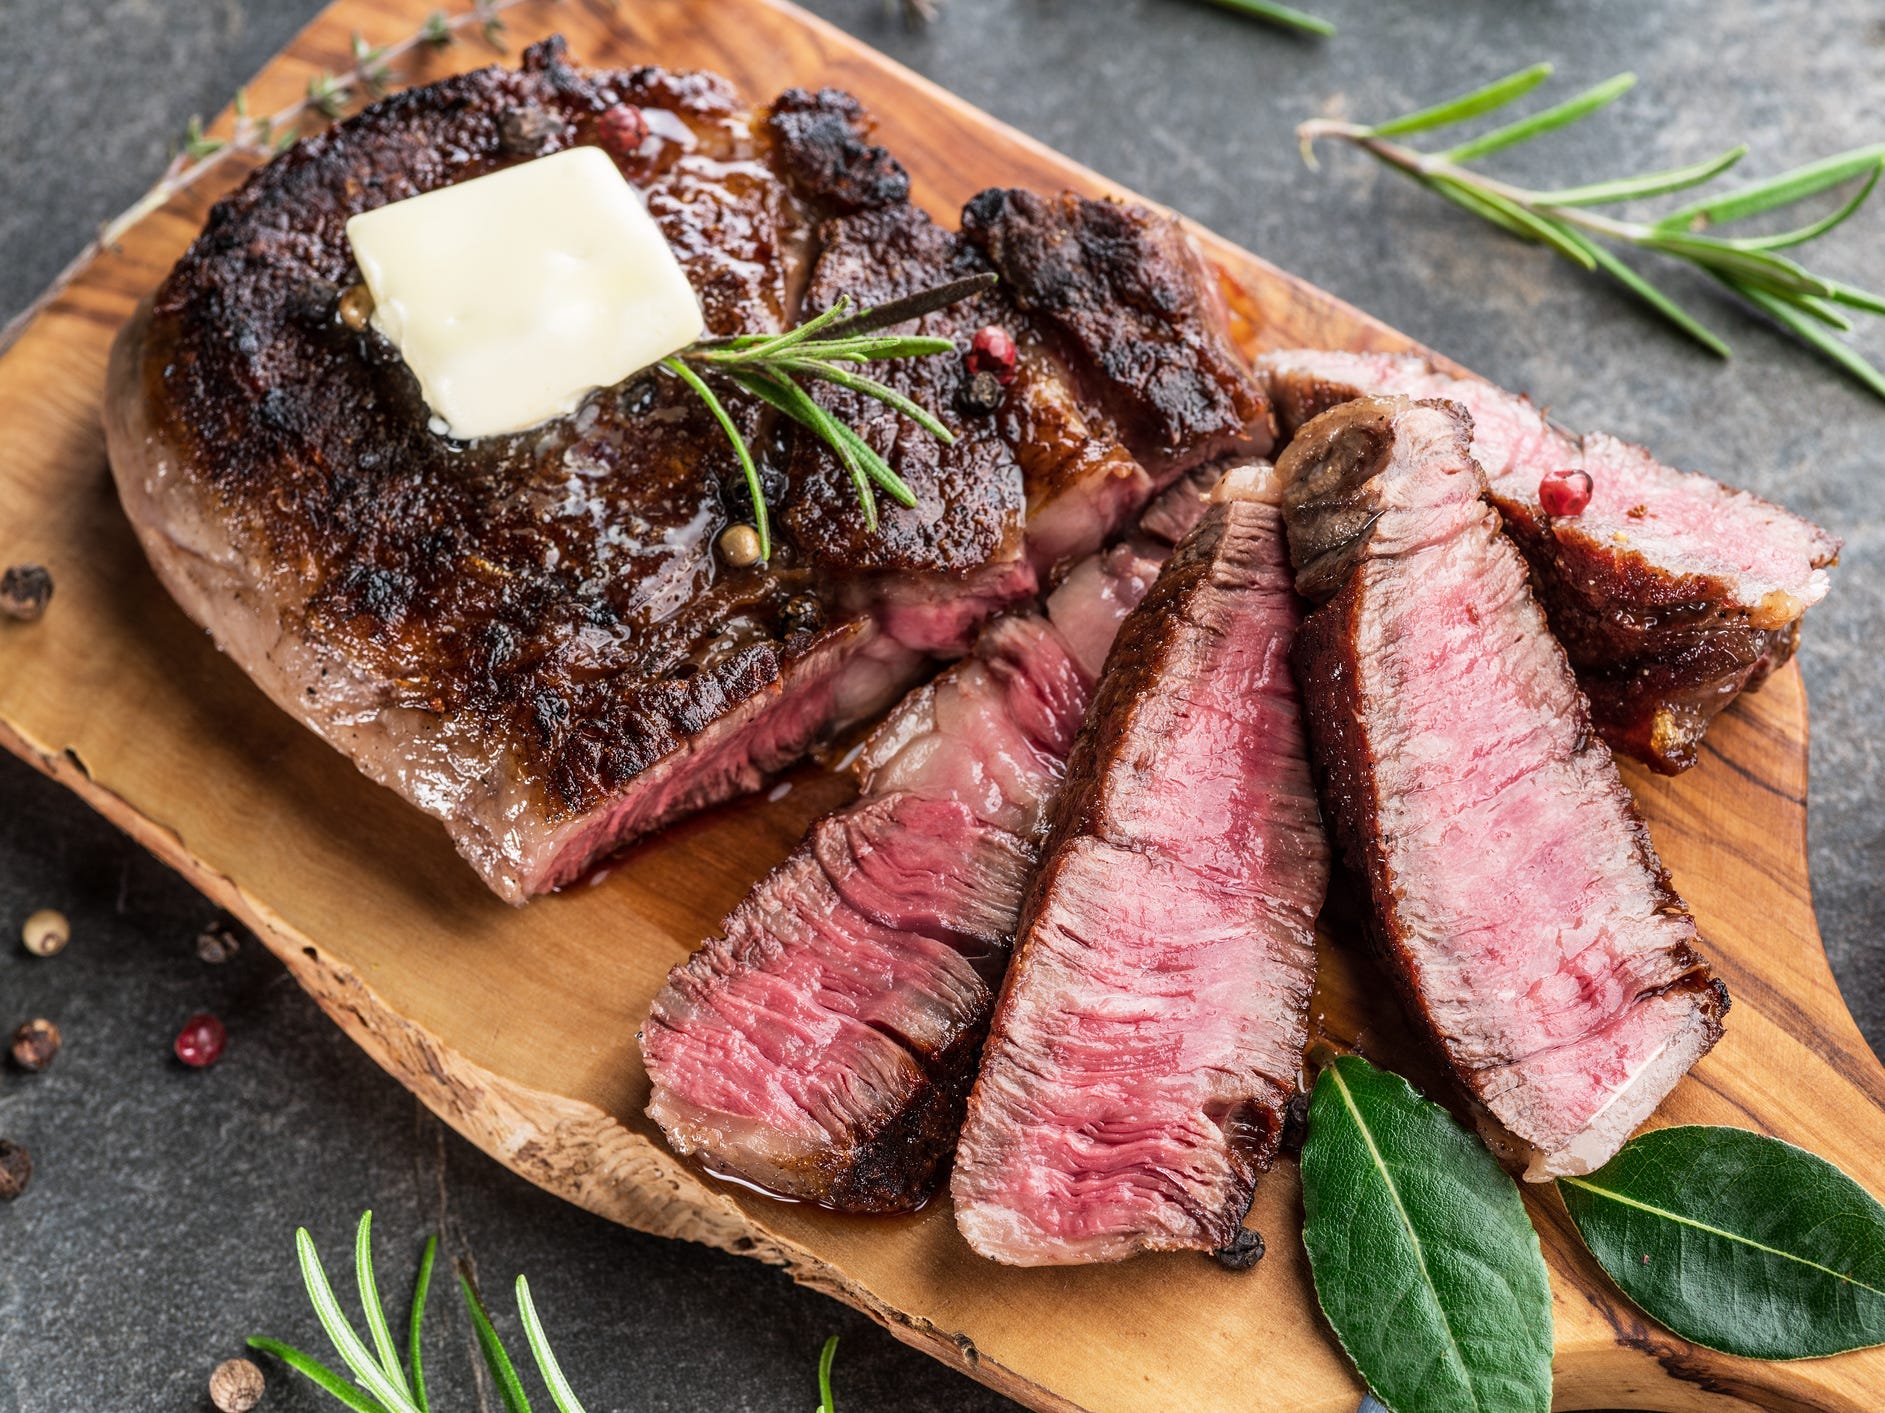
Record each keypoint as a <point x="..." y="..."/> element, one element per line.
<point x="158" y="1231"/>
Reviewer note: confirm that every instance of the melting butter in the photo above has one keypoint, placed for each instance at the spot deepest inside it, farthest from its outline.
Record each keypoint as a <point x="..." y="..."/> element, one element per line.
<point x="513" y="295"/>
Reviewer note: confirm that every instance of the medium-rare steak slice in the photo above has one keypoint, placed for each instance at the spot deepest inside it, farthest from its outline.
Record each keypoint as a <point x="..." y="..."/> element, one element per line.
<point x="1514" y="891"/>
<point x="531" y="636"/>
<point x="1150" y="1032"/>
<point x="823" y="1046"/>
<point x="1670" y="592"/>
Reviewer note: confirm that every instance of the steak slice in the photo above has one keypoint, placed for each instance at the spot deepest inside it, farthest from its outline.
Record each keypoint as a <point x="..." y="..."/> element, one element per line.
<point x="823" y="1047"/>
<point x="532" y="636"/>
<point x="1150" y="1032"/>
<point x="1670" y="592"/>
<point x="1130" y="302"/>
<point x="1514" y="891"/>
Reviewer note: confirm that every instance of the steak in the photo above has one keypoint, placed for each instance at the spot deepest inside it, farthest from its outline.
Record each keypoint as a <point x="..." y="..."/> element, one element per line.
<point x="531" y="636"/>
<point x="1151" y="1029"/>
<point x="1514" y="892"/>
<point x="1670" y="592"/>
<point x="824" y="1045"/>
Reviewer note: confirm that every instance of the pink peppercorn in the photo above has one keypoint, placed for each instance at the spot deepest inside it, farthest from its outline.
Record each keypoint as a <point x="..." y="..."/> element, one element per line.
<point x="992" y="351"/>
<point x="200" y="1042"/>
<point x="1564" y="492"/>
<point x="622" y="129"/>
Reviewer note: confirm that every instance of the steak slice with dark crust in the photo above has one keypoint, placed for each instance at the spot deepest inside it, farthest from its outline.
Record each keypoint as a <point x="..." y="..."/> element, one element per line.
<point x="824" y="1045"/>
<point x="1514" y="892"/>
<point x="1150" y="1032"/>
<point x="1119" y="291"/>
<point x="1671" y="592"/>
<point x="531" y="636"/>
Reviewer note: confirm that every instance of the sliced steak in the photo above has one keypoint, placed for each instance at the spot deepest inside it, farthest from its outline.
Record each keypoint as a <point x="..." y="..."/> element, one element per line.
<point x="1133" y="307"/>
<point x="823" y="1046"/>
<point x="1514" y="891"/>
<point x="1150" y="1033"/>
<point x="1670" y="592"/>
<point x="531" y="636"/>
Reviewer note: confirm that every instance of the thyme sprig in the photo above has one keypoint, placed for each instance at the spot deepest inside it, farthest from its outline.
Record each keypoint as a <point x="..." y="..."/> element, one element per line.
<point x="1561" y="218"/>
<point x="382" y="1384"/>
<point x="772" y="368"/>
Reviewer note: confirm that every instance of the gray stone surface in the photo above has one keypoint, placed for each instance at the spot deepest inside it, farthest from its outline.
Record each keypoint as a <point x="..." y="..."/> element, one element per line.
<point x="158" y="1231"/>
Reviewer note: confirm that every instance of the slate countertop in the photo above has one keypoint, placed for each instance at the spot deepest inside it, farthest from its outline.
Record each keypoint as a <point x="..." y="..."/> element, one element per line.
<point x="158" y="1231"/>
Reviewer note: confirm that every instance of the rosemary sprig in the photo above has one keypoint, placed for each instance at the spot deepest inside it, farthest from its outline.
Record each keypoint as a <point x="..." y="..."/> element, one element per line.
<point x="771" y="367"/>
<point x="382" y="1385"/>
<point x="1284" y="15"/>
<point x="1806" y="304"/>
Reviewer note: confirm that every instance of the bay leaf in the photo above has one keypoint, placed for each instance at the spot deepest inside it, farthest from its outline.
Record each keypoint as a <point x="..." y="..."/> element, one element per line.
<point x="1424" y="1260"/>
<point x="1737" y="1241"/>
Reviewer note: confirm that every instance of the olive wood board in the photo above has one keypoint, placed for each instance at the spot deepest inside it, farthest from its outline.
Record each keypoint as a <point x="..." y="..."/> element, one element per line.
<point x="517" y="1026"/>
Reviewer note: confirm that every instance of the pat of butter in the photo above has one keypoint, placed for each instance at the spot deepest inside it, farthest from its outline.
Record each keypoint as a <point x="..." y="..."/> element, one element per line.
<point x="513" y="295"/>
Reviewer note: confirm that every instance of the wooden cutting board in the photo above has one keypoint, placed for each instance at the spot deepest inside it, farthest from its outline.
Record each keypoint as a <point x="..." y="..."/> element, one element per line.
<point x="517" y="1027"/>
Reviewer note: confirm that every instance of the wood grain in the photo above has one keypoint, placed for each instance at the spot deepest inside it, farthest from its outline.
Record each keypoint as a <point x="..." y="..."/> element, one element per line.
<point x="517" y="1027"/>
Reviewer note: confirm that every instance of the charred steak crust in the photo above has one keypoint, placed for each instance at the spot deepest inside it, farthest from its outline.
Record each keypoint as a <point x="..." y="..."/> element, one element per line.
<point x="1129" y="301"/>
<point x="826" y="157"/>
<point x="1333" y="509"/>
<point x="1659" y="647"/>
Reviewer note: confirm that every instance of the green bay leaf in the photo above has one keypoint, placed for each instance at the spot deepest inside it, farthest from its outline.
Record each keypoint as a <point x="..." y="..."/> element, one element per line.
<point x="1424" y="1260"/>
<point x="1738" y="1241"/>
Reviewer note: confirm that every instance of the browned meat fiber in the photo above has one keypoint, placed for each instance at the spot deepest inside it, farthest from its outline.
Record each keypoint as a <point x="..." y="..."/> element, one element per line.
<point x="531" y="636"/>
<point x="1150" y="1033"/>
<point x="1671" y="592"/>
<point x="823" y="1046"/>
<point x="1514" y="892"/>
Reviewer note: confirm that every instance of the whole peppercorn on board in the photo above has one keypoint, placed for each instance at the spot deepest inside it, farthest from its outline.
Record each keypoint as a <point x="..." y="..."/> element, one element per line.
<point x="518" y="1026"/>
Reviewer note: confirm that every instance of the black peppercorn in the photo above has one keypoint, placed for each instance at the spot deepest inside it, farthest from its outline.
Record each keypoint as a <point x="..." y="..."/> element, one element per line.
<point x="526" y="131"/>
<point x="1245" y="1250"/>
<point x="25" y="590"/>
<point x="16" y="1169"/>
<point x="1295" y="1123"/>
<point x="35" y="1045"/>
<point x="981" y="394"/>
<point x="802" y="613"/>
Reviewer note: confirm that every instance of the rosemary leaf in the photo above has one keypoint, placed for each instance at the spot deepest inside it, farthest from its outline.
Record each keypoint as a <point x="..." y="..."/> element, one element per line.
<point x="370" y="1303"/>
<point x="788" y="397"/>
<point x="1613" y="266"/>
<point x="1515" y="218"/>
<point x="1854" y="297"/>
<point x="1783" y="190"/>
<point x="1649" y="184"/>
<point x="1273" y="13"/>
<point x="1772" y="272"/>
<point x="560" y="1392"/>
<point x="815" y="368"/>
<point x="1496" y="94"/>
<point x="1786" y="240"/>
<point x="826" y="1355"/>
<point x="913" y="306"/>
<point x="760" y="520"/>
<point x="779" y="343"/>
<point x="1559" y="115"/>
<point x="1802" y="327"/>
<point x="421" y="1288"/>
<point x="319" y="1373"/>
<point x="509" y="1386"/>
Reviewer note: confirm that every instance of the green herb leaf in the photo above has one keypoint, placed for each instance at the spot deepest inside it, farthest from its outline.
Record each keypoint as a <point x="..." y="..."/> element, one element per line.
<point x="1424" y="1260"/>
<point x="1515" y="218"/>
<point x="829" y="1353"/>
<point x="1802" y="327"/>
<point x="1273" y="13"/>
<point x="560" y="1392"/>
<point x="1783" y="190"/>
<point x="370" y="1303"/>
<point x="1738" y="1241"/>
<point x="1468" y="105"/>
<point x="346" y="1343"/>
<point x="1557" y="116"/>
<point x="311" y="1368"/>
<point x="421" y="1288"/>
<point x="1787" y="239"/>
<point x="509" y="1386"/>
<point x="753" y="486"/>
<point x="1607" y="261"/>
<point x="1649" y="184"/>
